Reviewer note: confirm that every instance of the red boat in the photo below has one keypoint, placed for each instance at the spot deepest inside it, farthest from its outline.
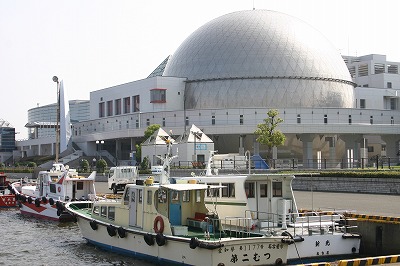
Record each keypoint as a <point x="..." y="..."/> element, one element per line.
<point x="7" y="199"/>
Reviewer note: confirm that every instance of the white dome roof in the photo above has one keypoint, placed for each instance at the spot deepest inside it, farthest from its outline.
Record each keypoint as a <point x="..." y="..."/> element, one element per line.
<point x="260" y="58"/>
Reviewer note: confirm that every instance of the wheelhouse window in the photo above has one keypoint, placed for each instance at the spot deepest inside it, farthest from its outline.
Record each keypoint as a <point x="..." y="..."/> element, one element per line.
<point x="140" y="196"/>
<point x="52" y="188"/>
<point x="228" y="190"/>
<point x="263" y="190"/>
<point x="213" y="192"/>
<point x="79" y="185"/>
<point x="277" y="189"/>
<point x="158" y="95"/>
<point x="198" y="196"/>
<point x="104" y="211"/>
<point x="126" y="197"/>
<point x="96" y="210"/>
<point x="111" y="213"/>
<point x="149" y="196"/>
<point x="249" y="189"/>
<point x="186" y="196"/>
<point x="162" y="196"/>
<point x="241" y="119"/>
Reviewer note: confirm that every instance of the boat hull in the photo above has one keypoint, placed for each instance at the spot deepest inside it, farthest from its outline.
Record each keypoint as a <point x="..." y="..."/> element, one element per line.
<point x="7" y="201"/>
<point x="43" y="211"/>
<point x="177" y="250"/>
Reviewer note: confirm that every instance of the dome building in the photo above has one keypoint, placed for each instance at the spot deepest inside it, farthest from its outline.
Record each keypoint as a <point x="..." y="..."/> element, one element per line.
<point x="260" y="58"/>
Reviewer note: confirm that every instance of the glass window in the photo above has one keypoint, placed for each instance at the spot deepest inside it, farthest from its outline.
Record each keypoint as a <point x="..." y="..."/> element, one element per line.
<point x="349" y="119"/>
<point x="96" y="210"/>
<point x="104" y="211"/>
<point x="213" y="120"/>
<point x="162" y="196"/>
<point x="198" y="196"/>
<point x="228" y="190"/>
<point x="298" y="119"/>
<point x="371" y="119"/>
<point x="117" y="106"/>
<point x="136" y="103"/>
<point x="109" y="108"/>
<point x="277" y="189"/>
<point x="111" y="213"/>
<point x="133" y="196"/>
<point x="187" y="121"/>
<point x="101" y="109"/>
<point x="249" y="189"/>
<point x="149" y="195"/>
<point x="213" y="192"/>
<point x="186" y="196"/>
<point x="52" y="188"/>
<point x="163" y="122"/>
<point x="158" y="95"/>
<point x="175" y="195"/>
<point x="325" y="119"/>
<point x="263" y="190"/>
<point x="79" y="185"/>
<point x="127" y="105"/>
<point x="126" y="197"/>
<point x="362" y="103"/>
<point x="140" y="196"/>
<point x="241" y="119"/>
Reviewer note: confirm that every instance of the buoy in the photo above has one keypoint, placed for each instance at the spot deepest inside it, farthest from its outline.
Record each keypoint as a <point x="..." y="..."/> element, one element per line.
<point x="194" y="242"/>
<point x="158" y="225"/>
<point x="121" y="232"/>
<point x="148" y="238"/>
<point x="93" y="224"/>
<point x="111" y="230"/>
<point x="160" y="239"/>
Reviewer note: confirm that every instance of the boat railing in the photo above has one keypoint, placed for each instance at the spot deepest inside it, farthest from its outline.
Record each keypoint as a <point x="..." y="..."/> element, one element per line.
<point x="300" y="222"/>
<point x="237" y="226"/>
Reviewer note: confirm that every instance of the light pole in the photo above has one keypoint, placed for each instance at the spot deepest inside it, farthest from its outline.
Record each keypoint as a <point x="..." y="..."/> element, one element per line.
<point x="101" y="142"/>
<point x="55" y="79"/>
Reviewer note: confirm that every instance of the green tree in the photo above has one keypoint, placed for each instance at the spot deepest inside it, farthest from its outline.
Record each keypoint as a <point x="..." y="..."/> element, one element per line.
<point x="147" y="133"/>
<point x="84" y="165"/>
<point x="145" y="163"/>
<point x="267" y="132"/>
<point x="101" y="165"/>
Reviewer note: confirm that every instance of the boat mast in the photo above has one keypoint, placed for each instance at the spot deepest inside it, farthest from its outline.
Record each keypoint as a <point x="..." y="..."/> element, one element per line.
<point x="55" y="79"/>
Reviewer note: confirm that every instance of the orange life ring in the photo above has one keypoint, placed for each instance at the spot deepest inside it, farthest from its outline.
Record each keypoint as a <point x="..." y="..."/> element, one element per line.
<point x="158" y="225"/>
<point x="59" y="189"/>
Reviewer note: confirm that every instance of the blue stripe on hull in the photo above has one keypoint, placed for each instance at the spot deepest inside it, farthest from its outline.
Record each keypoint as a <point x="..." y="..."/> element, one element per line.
<point x="134" y="254"/>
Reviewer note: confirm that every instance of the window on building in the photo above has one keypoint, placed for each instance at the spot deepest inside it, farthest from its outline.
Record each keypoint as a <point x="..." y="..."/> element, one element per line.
<point x="163" y="122"/>
<point x="350" y="120"/>
<point x="393" y="69"/>
<point x="109" y="108"/>
<point x="148" y="122"/>
<point x="241" y="119"/>
<point x="371" y="119"/>
<point x="298" y="119"/>
<point x="379" y="68"/>
<point x="325" y="119"/>
<point x="137" y="123"/>
<point x="393" y="103"/>
<point x="389" y="85"/>
<point x="187" y="121"/>
<point x="392" y="120"/>
<point x="101" y="109"/>
<point x="277" y="189"/>
<point x="249" y="189"/>
<point x="213" y="120"/>
<point x="118" y="106"/>
<point x="370" y="148"/>
<point x="127" y="105"/>
<point x="352" y="70"/>
<point x="363" y="70"/>
<point x="362" y="103"/>
<point x="136" y="103"/>
<point x="158" y="95"/>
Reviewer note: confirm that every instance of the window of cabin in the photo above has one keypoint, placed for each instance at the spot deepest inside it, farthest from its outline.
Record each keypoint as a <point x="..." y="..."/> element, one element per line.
<point x="186" y="196"/>
<point x="149" y="195"/>
<point x="140" y="196"/>
<point x="228" y="190"/>
<point x="111" y="213"/>
<point x="79" y="185"/>
<point x="96" y="210"/>
<point x="263" y="190"/>
<point x="104" y="211"/>
<point x="198" y="196"/>
<point x="277" y="189"/>
<point x="249" y="189"/>
<point x="213" y="192"/>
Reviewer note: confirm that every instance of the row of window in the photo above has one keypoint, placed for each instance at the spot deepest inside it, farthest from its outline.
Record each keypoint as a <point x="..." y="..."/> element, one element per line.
<point x="114" y="107"/>
<point x="250" y="188"/>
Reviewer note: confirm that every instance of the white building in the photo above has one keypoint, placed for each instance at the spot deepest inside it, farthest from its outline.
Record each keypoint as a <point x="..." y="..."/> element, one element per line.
<point x="226" y="76"/>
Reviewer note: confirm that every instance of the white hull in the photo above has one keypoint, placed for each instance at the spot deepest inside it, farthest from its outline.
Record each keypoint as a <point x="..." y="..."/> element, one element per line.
<point x="260" y="251"/>
<point x="44" y="211"/>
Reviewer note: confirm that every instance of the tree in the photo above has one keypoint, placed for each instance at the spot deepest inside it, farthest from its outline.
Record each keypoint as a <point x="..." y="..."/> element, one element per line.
<point x="267" y="132"/>
<point x="101" y="165"/>
<point x="84" y="165"/>
<point x="147" y="133"/>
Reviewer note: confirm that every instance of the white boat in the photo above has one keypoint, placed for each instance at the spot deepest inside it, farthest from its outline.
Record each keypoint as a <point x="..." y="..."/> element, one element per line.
<point x="268" y="200"/>
<point x="170" y="223"/>
<point x="47" y="195"/>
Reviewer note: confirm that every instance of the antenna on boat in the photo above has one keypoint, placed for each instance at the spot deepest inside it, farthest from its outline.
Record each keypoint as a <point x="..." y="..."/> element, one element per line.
<point x="247" y="155"/>
<point x="164" y="178"/>
<point x="55" y="79"/>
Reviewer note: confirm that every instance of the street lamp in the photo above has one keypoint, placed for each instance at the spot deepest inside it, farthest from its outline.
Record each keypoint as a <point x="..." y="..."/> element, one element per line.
<point x="55" y="79"/>
<point x="101" y="142"/>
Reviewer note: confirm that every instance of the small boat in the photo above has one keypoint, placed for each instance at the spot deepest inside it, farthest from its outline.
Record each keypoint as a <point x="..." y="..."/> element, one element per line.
<point x="47" y="195"/>
<point x="268" y="200"/>
<point x="170" y="223"/>
<point x="7" y="198"/>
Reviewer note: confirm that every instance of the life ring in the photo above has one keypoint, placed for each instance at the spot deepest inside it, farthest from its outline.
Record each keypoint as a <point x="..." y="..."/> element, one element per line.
<point x="194" y="242"/>
<point x="59" y="189"/>
<point x="160" y="239"/>
<point x="148" y="238"/>
<point x="111" y="230"/>
<point x="158" y="225"/>
<point x="93" y="224"/>
<point x="121" y="232"/>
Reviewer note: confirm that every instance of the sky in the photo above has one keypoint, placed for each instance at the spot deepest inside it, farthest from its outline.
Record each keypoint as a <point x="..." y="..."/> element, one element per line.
<point x="96" y="44"/>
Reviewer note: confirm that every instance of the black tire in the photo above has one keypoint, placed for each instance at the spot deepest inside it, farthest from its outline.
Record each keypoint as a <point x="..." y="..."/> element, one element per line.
<point x="30" y="200"/>
<point x="160" y="239"/>
<point x="51" y="201"/>
<point x="44" y="199"/>
<point x="37" y="202"/>
<point x="194" y="242"/>
<point x="148" y="238"/>
<point x="121" y="232"/>
<point x="111" y="230"/>
<point x="93" y="224"/>
<point x="115" y="189"/>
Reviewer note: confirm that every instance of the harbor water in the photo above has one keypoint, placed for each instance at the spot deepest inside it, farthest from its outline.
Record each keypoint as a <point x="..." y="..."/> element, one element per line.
<point x="31" y="241"/>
